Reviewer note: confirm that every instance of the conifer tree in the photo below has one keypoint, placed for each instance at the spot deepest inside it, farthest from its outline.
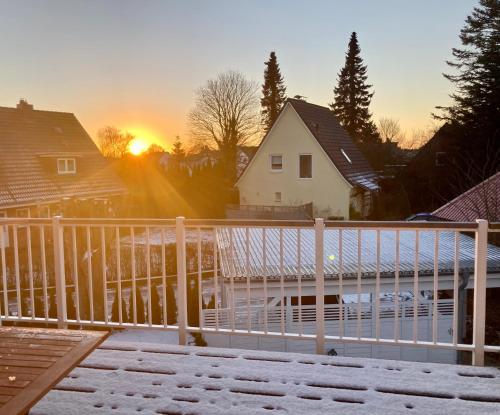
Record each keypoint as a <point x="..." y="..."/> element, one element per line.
<point x="273" y="92"/>
<point x="476" y="66"/>
<point x="352" y="97"/>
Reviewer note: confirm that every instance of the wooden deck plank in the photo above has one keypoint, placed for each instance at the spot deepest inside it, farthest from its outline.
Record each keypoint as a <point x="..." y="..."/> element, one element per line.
<point x="31" y="351"/>
<point x="17" y="370"/>
<point x="32" y="361"/>
<point x="30" y="345"/>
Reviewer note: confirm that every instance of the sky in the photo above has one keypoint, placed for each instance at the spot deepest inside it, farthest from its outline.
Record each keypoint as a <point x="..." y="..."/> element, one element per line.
<point x="136" y="64"/>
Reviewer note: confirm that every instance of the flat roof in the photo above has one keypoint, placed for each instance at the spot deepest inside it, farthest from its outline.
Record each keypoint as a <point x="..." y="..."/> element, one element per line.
<point x="132" y="378"/>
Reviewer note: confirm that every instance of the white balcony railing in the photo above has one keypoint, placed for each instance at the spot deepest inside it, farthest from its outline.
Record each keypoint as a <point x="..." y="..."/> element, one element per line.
<point x="266" y="278"/>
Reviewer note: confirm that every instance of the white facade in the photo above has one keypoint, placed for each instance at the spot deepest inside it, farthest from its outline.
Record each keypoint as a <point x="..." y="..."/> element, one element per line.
<point x="290" y="138"/>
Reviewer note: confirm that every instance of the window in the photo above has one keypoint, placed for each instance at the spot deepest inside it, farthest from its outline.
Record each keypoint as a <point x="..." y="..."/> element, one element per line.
<point x="276" y="162"/>
<point x="66" y="166"/>
<point x="305" y="166"/>
<point x="346" y="156"/>
<point x="277" y="197"/>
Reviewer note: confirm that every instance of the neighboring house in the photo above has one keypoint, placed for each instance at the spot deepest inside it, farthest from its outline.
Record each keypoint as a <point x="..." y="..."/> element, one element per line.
<point x="49" y="165"/>
<point x="307" y="157"/>
<point x="480" y="202"/>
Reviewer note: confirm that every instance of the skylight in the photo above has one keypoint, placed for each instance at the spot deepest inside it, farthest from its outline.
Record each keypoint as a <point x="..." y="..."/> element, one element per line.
<point x="345" y="155"/>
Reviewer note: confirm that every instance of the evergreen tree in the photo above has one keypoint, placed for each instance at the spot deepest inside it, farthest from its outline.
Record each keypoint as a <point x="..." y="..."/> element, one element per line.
<point x="352" y="97"/>
<point x="476" y="101"/>
<point x="156" y="309"/>
<point x="273" y="92"/>
<point x="171" y="304"/>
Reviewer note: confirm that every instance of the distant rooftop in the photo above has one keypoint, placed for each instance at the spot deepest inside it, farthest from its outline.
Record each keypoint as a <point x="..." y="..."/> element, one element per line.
<point x="480" y="202"/>
<point x="29" y="138"/>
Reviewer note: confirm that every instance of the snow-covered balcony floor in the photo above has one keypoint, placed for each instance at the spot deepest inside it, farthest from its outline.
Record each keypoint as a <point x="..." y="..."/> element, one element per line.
<point x="131" y="378"/>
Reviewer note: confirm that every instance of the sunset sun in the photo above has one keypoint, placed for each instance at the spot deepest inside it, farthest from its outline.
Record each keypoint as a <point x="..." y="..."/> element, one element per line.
<point x="137" y="146"/>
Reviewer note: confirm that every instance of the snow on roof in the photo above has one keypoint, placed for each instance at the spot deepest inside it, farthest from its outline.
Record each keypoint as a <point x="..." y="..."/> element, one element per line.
<point x="233" y="260"/>
<point x="131" y="378"/>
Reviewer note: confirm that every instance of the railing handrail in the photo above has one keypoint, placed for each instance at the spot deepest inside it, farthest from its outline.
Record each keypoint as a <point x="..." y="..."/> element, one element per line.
<point x="193" y="223"/>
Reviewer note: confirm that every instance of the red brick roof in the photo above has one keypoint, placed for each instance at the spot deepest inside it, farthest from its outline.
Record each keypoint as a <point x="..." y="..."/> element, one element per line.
<point x="30" y="143"/>
<point x="480" y="202"/>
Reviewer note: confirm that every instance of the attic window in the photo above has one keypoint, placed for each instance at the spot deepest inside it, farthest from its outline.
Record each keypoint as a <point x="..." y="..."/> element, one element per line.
<point x="276" y="162"/>
<point x="66" y="166"/>
<point x="345" y="155"/>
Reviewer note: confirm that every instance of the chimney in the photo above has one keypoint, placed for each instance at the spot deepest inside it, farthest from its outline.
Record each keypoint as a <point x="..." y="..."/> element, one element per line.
<point x="24" y="105"/>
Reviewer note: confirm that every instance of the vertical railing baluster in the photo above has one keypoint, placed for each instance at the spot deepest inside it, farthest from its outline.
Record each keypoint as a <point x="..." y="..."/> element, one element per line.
<point x="264" y="276"/>
<point x="132" y="266"/>
<point x="341" y="286"/>
<point x="299" y="279"/>
<point x="247" y="274"/>
<point x="216" y="284"/>
<point x="200" y="281"/>
<point x="148" y="276"/>
<point x="415" y="287"/>
<point x="164" y="278"/>
<point x="480" y="276"/>
<point x="231" y="279"/>
<point x="319" y="230"/>
<point x="456" y="268"/>
<point x="377" y="290"/>
<point x="4" y="229"/>
<point x="358" y="288"/>
<point x="59" y="271"/>
<point x="119" y="274"/>
<point x="396" y="291"/>
<point x="282" y="288"/>
<point x="89" y="274"/>
<point x="435" y="288"/>
<point x="30" y="270"/>
<point x="16" y="271"/>
<point x="104" y="276"/>
<point x="180" y="237"/>
<point x="44" y="272"/>
<point x="75" y="272"/>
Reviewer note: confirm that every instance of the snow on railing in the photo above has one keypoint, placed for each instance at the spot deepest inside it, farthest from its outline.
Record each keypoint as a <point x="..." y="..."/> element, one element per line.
<point x="266" y="278"/>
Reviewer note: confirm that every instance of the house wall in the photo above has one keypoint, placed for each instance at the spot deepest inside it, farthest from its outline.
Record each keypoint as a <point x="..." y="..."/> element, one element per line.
<point x="327" y="189"/>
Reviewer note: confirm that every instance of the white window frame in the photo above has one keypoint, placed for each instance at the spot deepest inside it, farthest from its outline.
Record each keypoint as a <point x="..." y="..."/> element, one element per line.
<point x="271" y="163"/>
<point x="5" y="230"/>
<point x="66" y="162"/>
<point x="277" y="197"/>
<point x="305" y="178"/>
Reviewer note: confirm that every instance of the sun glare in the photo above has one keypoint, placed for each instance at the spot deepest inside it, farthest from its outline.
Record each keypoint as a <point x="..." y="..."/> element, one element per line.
<point x="137" y="146"/>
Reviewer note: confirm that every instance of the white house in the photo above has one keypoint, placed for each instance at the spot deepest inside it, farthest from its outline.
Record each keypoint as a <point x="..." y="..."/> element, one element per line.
<point x="307" y="157"/>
